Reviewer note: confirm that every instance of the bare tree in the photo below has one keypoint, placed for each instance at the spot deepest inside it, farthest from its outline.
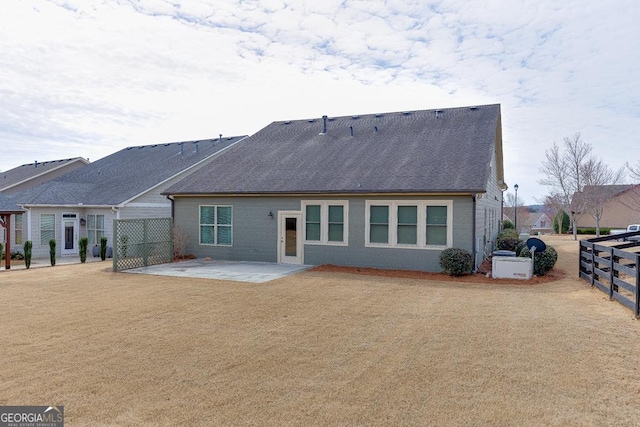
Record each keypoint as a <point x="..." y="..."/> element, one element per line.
<point x="633" y="201"/>
<point x="599" y="186"/>
<point x="563" y="173"/>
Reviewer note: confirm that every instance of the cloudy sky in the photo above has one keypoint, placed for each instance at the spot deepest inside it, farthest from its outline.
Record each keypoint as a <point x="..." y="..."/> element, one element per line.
<point x="89" y="77"/>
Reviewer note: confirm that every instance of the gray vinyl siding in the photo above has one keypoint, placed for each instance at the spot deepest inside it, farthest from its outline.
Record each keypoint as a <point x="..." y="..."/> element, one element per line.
<point x="255" y="233"/>
<point x="488" y="215"/>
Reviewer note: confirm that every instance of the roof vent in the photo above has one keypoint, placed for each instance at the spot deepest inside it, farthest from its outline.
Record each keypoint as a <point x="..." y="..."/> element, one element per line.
<point x="351" y="130"/>
<point x="355" y="117"/>
<point x="378" y="115"/>
<point x="324" y="125"/>
<point x="181" y="149"/>
<point x="311" y="120"/>
<point x="438" y="112"/>
<point x="196" y="148"/>
<point x="287" y="122"/>
<point x="407" y="113"/>
<point x="375" y="128"/>
<point x="474" y="108"/>
<point x="36" y="164"/>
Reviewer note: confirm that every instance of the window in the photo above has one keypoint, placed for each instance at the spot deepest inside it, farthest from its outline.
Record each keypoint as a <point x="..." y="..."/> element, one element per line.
<point x="216" y="225"/>
<point x="436" y="225"/>
<point x="95" y="229"/>
<point x="410" y="223"/>
<point x="47" y="228"/>
<point x="326" y="222"/>
<point x="18" y="230"/>
<point x="407" y="225"/>
<point x="379" y="224"/>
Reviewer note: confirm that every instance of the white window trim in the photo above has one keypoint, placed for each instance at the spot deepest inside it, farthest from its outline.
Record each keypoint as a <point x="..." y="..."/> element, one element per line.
<point x="95" y="230"/>
<point x="324" y="222"/>
<point x="215" y="226"/>
<point x="422" y="223"/>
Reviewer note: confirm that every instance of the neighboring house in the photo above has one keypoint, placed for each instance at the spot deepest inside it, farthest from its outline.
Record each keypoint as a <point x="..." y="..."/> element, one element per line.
<point x="28" y="176"/>
<point x="529" y="222"/>
<point x="538" y="223"/>
<point x="8" y="209"/>
<point x="382" y="190"/>
<point x="32" y="174"/>
<point x="620" y="208"/>
<point x="126" y="184"/>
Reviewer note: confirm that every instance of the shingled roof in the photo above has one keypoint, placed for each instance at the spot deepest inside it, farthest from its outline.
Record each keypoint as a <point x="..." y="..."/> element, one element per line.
<point x="125" y="174"/>
<point x="446" y="150"/>
<point x="36" y="172"/>
<point x="8" y="205"/>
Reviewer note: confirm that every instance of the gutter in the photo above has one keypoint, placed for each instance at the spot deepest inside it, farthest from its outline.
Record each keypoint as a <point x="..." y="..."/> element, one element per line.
<point x="474" y="249"/>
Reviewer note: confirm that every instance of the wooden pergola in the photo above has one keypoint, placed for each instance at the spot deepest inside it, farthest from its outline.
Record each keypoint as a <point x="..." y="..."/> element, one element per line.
<point x="7" y="208"/>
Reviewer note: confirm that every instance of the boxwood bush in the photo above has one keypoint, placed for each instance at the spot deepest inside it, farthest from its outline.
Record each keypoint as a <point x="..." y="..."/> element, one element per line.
<point x="543" y="262"/>
<point x="456" y="261"/>
<point x="508" y="240"/>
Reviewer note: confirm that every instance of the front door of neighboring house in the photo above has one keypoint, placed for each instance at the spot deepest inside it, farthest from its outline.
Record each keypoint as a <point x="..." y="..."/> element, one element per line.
<point x="69" y="234"/>
<point x="290" y="237"/>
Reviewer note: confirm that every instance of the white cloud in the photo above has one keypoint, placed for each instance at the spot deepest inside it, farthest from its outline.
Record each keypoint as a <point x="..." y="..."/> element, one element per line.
<point x="87" y="77"/>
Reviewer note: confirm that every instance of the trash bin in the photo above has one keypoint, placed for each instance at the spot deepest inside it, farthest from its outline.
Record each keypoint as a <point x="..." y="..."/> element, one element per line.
<point x="504" y="253"/>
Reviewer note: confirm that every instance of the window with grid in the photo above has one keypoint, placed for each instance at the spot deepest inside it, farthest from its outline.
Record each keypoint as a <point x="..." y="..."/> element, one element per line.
<point x="436" y="225"/>
<point x="410" y="224"/>
<point x="47" y="228"/>
<point x="17" y="232"/>
<point x="326" y="222"/>
<point x="378" y="224"/>
<point x="95" y="229"/>
<point x="216" y="225"/>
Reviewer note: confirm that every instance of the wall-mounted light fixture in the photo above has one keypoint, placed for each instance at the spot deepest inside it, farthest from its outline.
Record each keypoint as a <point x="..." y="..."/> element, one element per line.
<point x="83" y="222"/>
<point x="270" y="215"/>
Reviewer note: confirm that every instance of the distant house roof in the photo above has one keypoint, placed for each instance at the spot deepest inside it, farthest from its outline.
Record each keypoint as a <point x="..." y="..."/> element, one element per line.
<point x="8" y="205"/>
<point x="600" y="193"/>
<point x="117" y="178"/>
<point x="447" y="150"/>
<point x="36" y="172"/>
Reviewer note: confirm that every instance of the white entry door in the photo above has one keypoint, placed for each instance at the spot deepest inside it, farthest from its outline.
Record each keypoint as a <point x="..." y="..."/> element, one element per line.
<point x="69" y="234"/>
<point x="290" y="237"/>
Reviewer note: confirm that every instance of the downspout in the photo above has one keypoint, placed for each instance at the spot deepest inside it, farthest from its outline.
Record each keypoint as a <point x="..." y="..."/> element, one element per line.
<point x="173" y="209"/>
<point x="474" y="248"/>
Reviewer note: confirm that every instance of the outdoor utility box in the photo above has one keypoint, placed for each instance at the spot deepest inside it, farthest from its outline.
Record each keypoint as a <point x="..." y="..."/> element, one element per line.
<point x="507" y="267"/>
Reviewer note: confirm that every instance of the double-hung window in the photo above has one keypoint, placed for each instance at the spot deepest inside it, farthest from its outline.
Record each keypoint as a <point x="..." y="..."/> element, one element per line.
<point x="409" y="223"/>
<point x="47" y="228"/>
<point x="326" y="222"/>
<point x="18" y="230"/>
<point x="216" y="225"/>
<point x="95" y="229"/>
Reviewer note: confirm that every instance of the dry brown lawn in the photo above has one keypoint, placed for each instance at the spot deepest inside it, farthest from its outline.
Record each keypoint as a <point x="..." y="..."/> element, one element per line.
<point x="317" y="348"/>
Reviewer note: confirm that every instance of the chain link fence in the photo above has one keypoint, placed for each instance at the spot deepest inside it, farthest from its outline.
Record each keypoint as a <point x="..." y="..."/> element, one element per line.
<point x="142" y="242"/>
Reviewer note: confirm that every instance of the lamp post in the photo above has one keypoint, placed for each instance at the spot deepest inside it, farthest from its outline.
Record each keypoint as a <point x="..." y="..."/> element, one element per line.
<point x="515" y="210"/>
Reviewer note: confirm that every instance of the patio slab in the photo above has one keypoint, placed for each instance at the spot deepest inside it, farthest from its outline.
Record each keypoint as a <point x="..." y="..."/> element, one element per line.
<point x="241" y="271"/>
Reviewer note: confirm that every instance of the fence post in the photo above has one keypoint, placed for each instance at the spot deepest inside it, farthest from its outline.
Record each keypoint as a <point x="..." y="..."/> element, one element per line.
<point x="637" y="307"/>
<point x="145" y="240"/>
<point x="115" y="245"/>
<point x="593" y="265"/>
<point x="611" y="274"/>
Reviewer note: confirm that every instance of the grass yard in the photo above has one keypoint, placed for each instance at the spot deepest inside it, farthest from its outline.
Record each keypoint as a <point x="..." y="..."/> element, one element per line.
<point x="317" y="348"/>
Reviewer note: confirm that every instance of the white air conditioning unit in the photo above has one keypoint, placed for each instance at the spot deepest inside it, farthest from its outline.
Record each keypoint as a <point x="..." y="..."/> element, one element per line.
<point x="506" y="267"/>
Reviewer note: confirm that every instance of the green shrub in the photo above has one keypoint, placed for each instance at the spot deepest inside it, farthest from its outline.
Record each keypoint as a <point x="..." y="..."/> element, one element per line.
<point x="28" y="246"/>
<point x="544" y="261"/>
<point x="103" y="248"/>
<point x="592" y="230"/>
<point x="52" y="252"/>
<point x="508" y="225"/>
<point x="507" y="240"/>
<point x="561" y="223"/>
<point x="1" y="251"/>
<point x="82" y="244"/>
<point x="17" y="255"/>
<point x="520" y="246"/>
<point x="456" y="262"/>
